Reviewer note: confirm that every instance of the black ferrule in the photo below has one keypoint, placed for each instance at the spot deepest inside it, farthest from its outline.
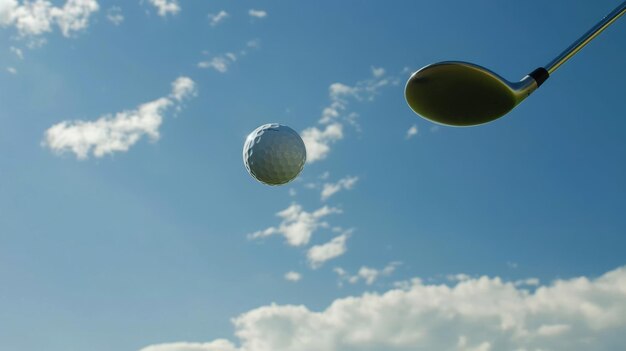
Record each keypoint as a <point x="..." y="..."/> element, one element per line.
<point x="540" y="75"/>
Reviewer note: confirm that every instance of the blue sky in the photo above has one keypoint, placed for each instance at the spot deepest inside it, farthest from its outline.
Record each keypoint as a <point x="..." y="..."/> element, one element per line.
<point x="128" y="221"/>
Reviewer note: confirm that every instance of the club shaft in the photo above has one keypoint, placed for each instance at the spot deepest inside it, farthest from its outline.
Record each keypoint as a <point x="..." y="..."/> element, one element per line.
<point x="586" y="38"/>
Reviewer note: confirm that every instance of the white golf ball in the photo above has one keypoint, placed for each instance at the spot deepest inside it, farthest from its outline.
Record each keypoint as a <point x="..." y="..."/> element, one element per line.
<point x="274" y="154"/>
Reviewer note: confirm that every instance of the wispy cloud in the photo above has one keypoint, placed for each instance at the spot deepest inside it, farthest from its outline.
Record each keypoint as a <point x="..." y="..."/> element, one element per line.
<point x="253" y="44"/>
<point x="293" y="276"/>
<point x="367" y="274"/>
<point x="221" y="63"/>
<point x="378" y="72"/>
<point x="32" y="19"/>
<point x="318" y="140"/>
<point x="336" y="247"/>
<point x="217" y="18"/>
<point x="329" y="189"/>
<point x="577" y="314"/>
<point x="115" y="16"/>
<point x="257" y="13"/>
<point x="412" y="131"/>
<point x="12" y="70"/>
<point x="297" y="225"/>
<point x="17" y="51"/>
<point x="166" y="7"/>
<point x="118" y="132"/>
<point x="217" y="345"/>
<point x="218" y="63"/>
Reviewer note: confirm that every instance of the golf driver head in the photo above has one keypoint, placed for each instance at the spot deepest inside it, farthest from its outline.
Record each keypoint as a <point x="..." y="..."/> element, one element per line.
<point x="459" y="93"/>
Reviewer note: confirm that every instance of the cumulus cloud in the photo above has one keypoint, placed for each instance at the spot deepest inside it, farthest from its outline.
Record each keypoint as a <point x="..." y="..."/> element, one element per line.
<point x="411" y="132"/>
<point x="34" y="18"/>
<point x="297" y="225"/>
<point x="367" y="274"/>
<point x="257" y="13"/>
<point x="115" y="16"/>
<point x="118" y="132"/>
<point x="319" y="254"/>
<point x="166" y="7"/>
<point x="293" y="276"/>
<point x="578" y="314"/>
<point x="217" y="18"/>
<point x="317" y="141"/>
<point x="329" y="189"/>
<point x="183" y="88"/>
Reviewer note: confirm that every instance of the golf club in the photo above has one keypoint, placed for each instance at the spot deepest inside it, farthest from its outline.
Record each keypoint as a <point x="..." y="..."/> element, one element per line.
<point x="464" y="94"/>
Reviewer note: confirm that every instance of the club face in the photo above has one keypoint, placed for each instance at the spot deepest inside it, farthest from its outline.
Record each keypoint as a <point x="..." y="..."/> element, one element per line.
<point x="460" y="94"/>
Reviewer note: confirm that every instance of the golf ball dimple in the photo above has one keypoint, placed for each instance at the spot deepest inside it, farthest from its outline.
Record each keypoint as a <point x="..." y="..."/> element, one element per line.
<point x="274" y="154"/>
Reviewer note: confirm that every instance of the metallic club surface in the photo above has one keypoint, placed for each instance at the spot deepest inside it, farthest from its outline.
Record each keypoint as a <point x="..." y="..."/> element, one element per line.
<point x="463" y="94"/>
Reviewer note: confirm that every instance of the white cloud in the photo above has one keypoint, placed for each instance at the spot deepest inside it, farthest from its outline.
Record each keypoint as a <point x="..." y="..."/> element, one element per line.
<point x="221" y="63"/>
<point x="7" y="7"/>
<point x="293" y="276"/>
<point x="411" y="132"/>
<point x="166" y="7"/>
<point x="74" y="15"/>
<point x="367" y="274"/>
<point x="254" y="44"/>
<point x="297" y="225"/>
<point x="215" y="19"/>
<point x="218" y="63"/>
<point x="257" y="13"/>
<point x="217" y="345"/>
<point x="512" y="265"/>
<point x="115" y="16"/>
<point x="336" y="247"/>
<point x="38" y="17"/>
<point x="339" y="90"/>
<point x="17" y="51"/>
<point x="340" y="271"/>
<point x="330" y="189"/>
<point x="183" y="88"/>
<point x="553" y="329"/>
<point x="481" y="314"/>
<point x="114" y="133"/>
<point x="318" y="141"/>
<point x="12" y="70"/>
<point x="378" y="72"/>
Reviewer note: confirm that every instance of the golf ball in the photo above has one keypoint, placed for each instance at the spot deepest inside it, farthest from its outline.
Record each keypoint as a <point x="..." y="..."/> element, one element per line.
<point x="274" y="154"/>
